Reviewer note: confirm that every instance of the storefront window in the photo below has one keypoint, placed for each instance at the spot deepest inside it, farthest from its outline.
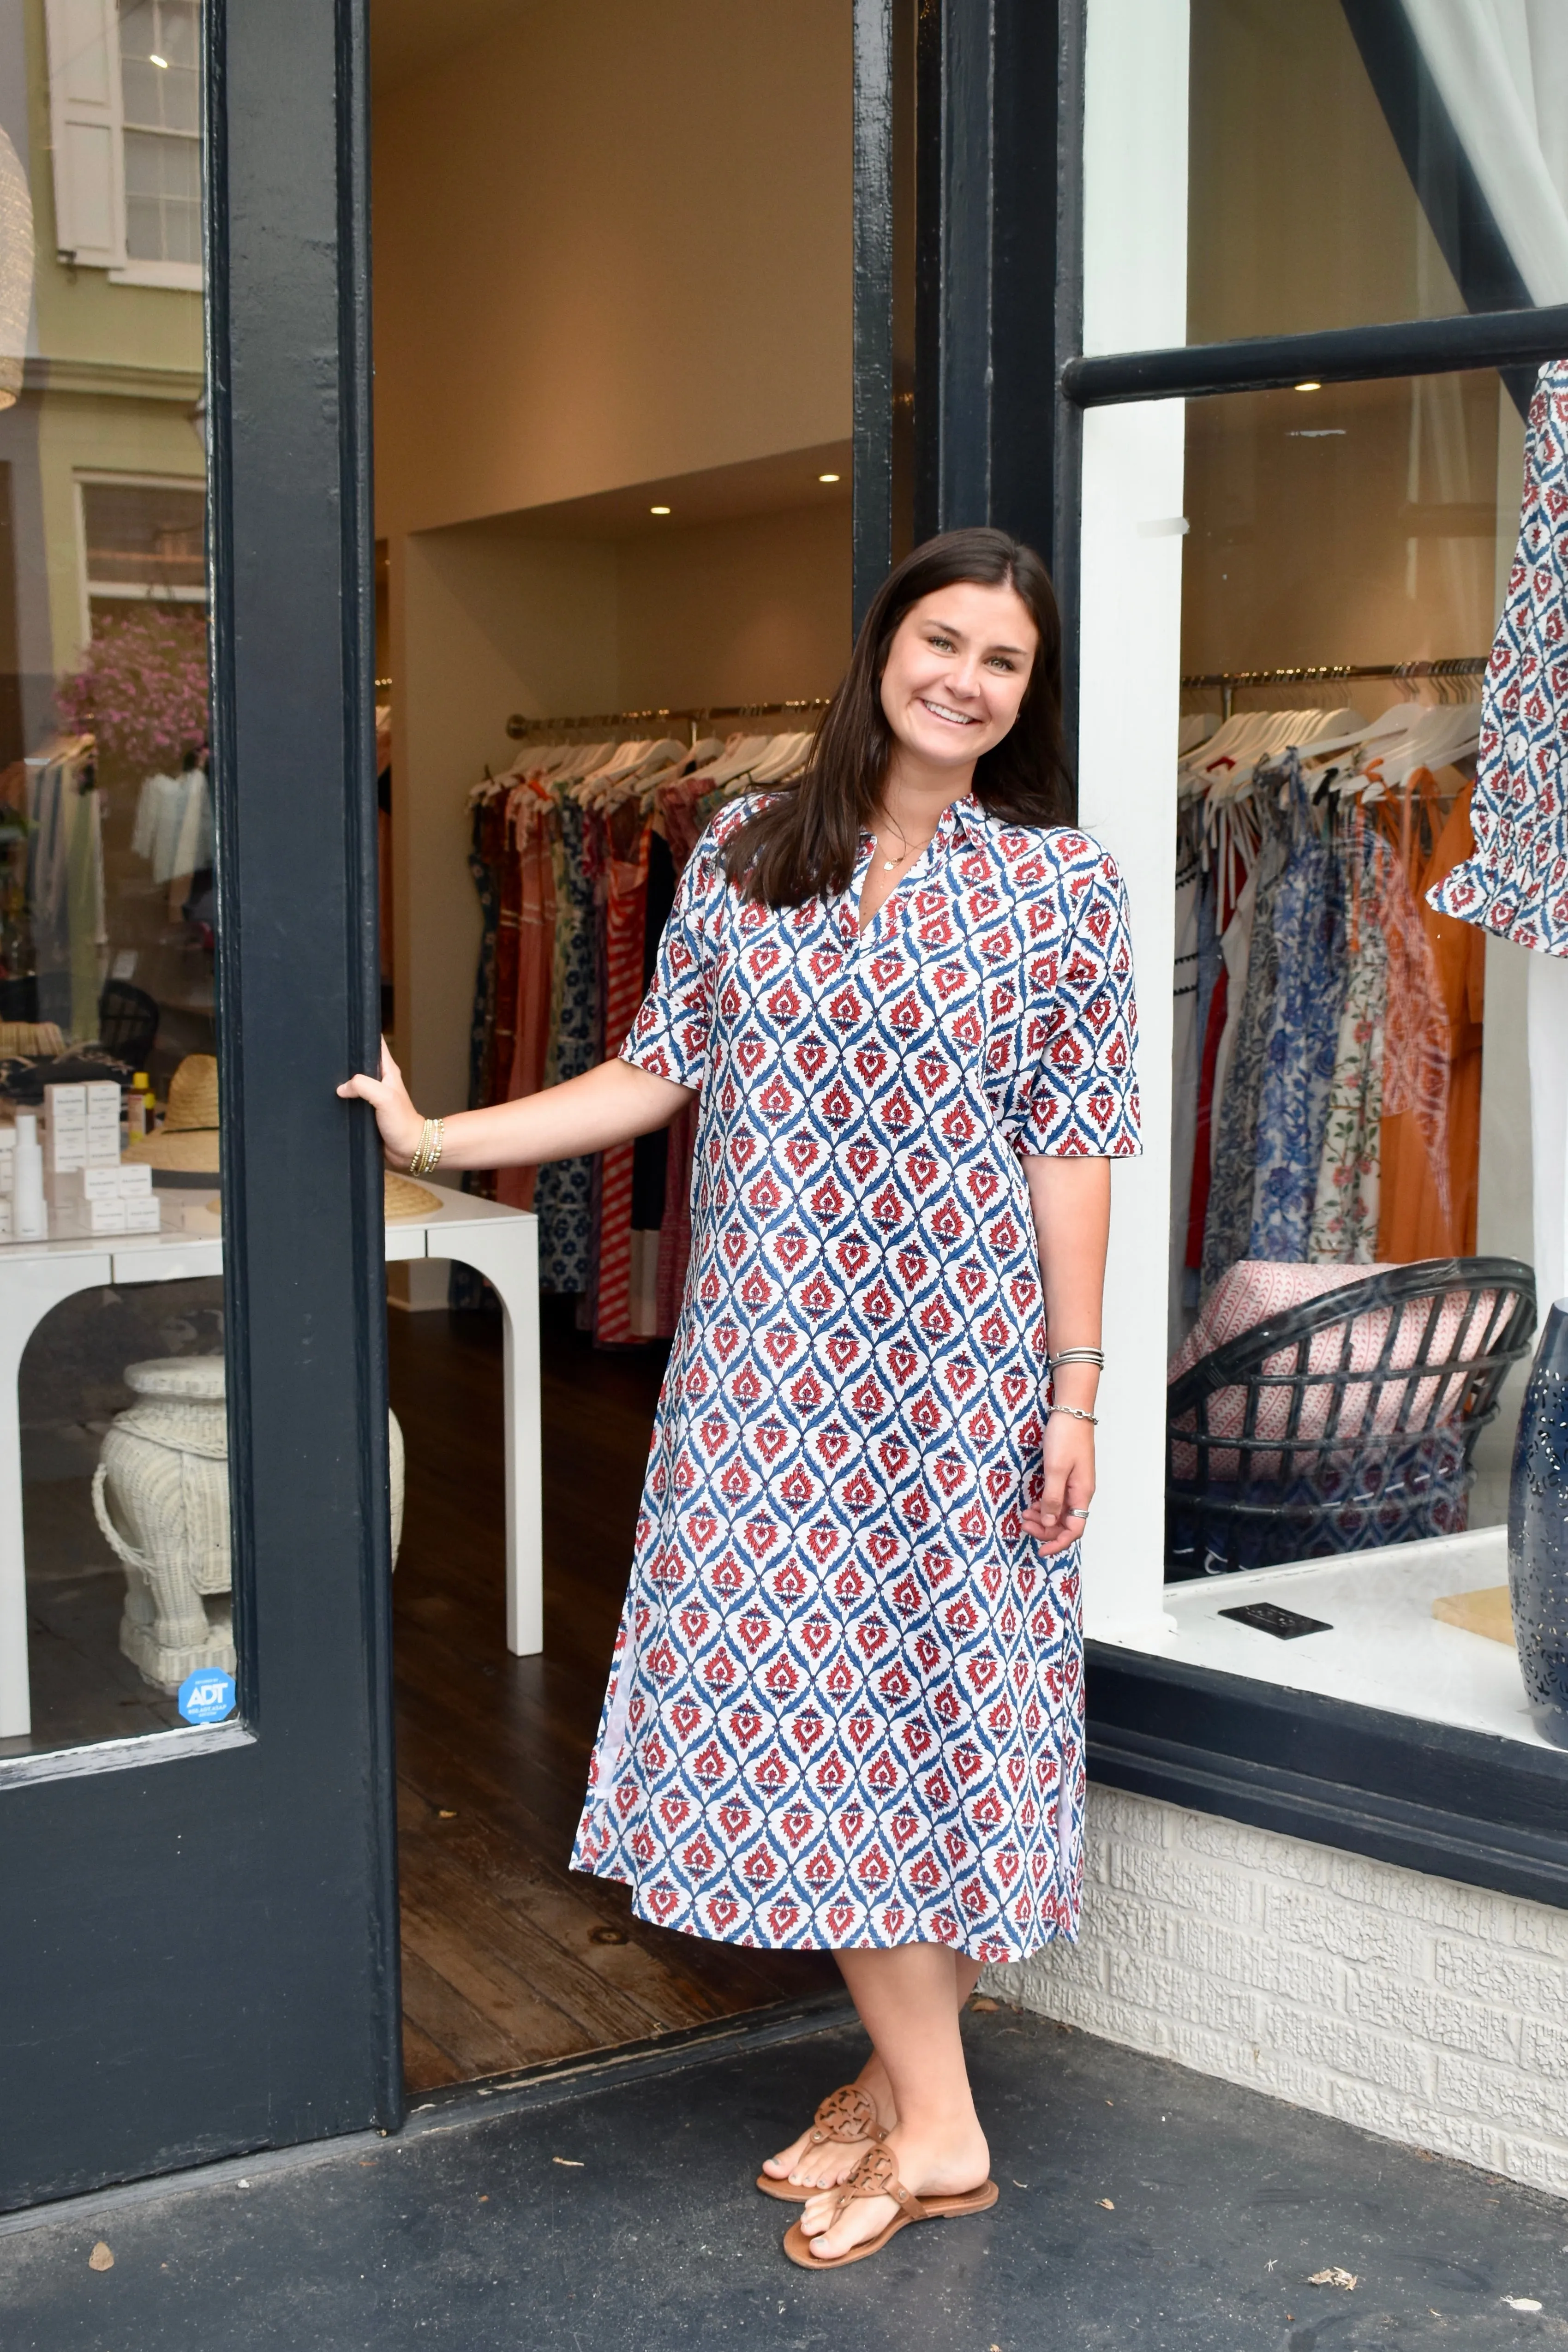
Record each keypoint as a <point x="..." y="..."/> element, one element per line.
<point x="1303" y="584"/>
<point x="114" y="1545"/>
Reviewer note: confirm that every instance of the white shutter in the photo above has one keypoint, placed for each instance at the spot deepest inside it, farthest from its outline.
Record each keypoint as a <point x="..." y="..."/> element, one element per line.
<point x="85" y="119"/>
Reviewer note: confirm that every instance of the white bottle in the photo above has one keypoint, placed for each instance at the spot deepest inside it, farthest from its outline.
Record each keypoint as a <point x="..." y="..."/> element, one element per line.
<point x="30" y="1216"/>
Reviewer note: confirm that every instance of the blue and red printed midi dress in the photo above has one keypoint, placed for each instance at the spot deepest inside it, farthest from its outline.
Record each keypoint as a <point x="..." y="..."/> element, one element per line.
<point x="847" y="1702"/>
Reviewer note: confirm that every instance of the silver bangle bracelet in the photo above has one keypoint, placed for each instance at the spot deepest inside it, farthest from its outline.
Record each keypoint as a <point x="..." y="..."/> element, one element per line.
<point x="1079" y="1356"/>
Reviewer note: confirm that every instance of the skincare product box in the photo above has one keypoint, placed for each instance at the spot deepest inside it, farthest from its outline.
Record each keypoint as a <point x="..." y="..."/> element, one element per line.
<point x="72" y="1220"/>
<point x="130" y="1181"/>
<point x="81" y="1127"/>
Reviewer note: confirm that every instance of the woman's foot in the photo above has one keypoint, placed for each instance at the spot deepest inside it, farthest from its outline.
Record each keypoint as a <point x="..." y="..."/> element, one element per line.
<point x="929" y="2164"/>
<point x="831" y="2161"/>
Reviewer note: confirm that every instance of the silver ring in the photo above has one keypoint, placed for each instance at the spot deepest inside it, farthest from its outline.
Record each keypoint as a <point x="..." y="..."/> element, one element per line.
<point x="1075" y="1514"/>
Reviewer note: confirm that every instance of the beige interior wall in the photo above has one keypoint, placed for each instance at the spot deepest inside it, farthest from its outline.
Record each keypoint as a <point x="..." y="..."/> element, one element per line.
<point x="736" y="612"/>
<point x="612" y="244"/>
<point x="483" y="625"/>
<point x="486" y="622"/>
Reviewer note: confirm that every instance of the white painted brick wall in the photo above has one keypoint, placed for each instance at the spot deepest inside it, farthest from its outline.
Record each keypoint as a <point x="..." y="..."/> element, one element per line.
<point x="1427" y="2011"/>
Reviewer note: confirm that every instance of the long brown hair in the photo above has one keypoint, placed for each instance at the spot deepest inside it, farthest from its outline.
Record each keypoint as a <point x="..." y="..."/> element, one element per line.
<point x="804" y="843"/>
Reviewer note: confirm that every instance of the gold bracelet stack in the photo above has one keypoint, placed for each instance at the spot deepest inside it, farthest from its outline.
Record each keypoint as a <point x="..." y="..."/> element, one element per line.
<point x="429" y="1147"/>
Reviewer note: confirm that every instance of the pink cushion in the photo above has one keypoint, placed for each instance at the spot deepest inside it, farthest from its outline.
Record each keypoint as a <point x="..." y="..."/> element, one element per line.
<point x="1254" y="1291"/>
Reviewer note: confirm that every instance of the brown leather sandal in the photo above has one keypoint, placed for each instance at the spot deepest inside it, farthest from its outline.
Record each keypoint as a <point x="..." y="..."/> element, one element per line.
<point x="848" y="2116"/>
<point x="876" y="2176"/>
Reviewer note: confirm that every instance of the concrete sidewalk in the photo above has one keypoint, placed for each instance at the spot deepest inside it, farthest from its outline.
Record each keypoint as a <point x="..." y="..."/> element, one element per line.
<point x="1140" y="2205"/>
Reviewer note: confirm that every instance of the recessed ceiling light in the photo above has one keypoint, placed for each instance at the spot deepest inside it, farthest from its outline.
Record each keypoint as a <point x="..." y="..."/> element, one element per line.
<point x="1309" y="386"/>
<point x="658" y="509"/>
<point x="827" y="478"/>
<point x="153" y="59"/>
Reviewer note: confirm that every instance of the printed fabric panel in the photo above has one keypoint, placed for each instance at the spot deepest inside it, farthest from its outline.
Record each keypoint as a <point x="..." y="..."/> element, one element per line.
<point x="1517" y="882"/>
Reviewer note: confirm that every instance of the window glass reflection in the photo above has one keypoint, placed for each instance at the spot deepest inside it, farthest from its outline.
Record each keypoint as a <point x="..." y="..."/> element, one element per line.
<point x="114" y="1537"/>
<point x="1351" y="163"/>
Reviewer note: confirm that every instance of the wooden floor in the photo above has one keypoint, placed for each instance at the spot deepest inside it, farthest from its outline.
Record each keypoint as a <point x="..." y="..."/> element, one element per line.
<point x="507" y="1956"/>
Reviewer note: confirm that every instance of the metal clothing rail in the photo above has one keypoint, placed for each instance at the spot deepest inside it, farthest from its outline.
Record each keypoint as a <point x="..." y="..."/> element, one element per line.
<point x="1318" y="673"/>
<point x="518" y="726"/>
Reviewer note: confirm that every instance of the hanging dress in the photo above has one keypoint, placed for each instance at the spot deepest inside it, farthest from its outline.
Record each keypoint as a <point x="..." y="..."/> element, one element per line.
<point x="562" y="1196"/>
<point x="1298" y="1051"/>
<point x="1346" y="1206"/>
<point x="845" y="1704"/>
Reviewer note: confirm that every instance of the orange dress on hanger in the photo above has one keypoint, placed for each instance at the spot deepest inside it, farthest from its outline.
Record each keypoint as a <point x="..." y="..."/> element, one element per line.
<point x="631" y="833"/>
<point x="1412" y="1222"/>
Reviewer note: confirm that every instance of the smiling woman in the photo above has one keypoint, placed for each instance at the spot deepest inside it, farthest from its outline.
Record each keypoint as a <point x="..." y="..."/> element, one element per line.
<point x="845" y="1710"/>
<point x="959" y="666"/>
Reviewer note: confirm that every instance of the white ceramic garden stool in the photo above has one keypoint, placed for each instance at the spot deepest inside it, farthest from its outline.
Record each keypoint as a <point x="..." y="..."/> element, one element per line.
<point x="160" y="1495"/>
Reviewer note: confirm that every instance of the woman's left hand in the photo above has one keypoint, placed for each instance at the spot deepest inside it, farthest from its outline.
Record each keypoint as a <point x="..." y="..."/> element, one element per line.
<point x="1060" y="1516"/>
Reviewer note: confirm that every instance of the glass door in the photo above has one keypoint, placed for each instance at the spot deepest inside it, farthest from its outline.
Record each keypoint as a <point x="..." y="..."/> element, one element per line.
<point x="200" y="1951"/>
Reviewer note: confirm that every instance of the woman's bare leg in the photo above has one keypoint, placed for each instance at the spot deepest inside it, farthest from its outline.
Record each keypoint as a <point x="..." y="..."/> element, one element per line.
<point x="905" y="1998"/>
<point x="825" y="2166"/>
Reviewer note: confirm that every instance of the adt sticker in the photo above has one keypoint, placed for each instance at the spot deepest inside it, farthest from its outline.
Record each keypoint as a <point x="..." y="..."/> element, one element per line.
<point x="206" y="1697"/>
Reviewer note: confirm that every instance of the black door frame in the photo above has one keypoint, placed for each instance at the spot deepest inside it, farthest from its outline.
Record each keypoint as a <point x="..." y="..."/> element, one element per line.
<point x="200" y="1956"/>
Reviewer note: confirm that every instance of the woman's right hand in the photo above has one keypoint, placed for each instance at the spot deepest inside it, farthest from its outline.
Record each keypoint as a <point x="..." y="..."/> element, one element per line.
<point x="400" y="1124"/>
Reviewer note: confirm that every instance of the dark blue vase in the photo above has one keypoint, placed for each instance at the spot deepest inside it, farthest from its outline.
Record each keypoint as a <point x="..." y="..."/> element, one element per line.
<point x="1537" y="1533"/>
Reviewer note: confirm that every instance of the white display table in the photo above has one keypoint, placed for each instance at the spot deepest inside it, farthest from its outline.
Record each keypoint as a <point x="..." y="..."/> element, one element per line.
<point x="501" y="1243"/>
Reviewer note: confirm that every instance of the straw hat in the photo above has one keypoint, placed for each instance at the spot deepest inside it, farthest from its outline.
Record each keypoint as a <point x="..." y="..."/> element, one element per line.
<point x="187" y="1141"/>
<point x="405" y="1199"/>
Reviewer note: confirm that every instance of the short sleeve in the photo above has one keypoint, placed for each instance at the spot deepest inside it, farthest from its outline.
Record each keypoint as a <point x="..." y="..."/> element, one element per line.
<point x="1080" y="1096"/>
<point x="669" y="1036"/>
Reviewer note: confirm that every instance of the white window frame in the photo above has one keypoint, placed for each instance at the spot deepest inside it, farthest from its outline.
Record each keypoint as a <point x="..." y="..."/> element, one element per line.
<point x="87" y="121"/>
<point x="1130" y="640"/>
<point x="126" y="592"/>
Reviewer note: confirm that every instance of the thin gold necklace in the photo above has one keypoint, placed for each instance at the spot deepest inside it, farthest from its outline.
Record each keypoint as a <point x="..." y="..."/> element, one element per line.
<point x="891" y="864"/>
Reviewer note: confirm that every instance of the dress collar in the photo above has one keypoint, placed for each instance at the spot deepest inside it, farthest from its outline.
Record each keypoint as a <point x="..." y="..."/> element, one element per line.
<point x="960" y="820"/>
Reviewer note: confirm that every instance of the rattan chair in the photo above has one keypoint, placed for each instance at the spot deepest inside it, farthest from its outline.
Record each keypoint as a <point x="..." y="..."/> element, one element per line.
<point x="1344" y="1423"/>
<point x="127" y="1022"/>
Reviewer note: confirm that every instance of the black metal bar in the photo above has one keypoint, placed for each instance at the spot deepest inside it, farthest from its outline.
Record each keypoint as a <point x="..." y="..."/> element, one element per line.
<point x="986" y="270"/>
<point x="873" y="300"/>
<point x="362" y="1000"/>
<point x="1494" y="339"/>
<point x="929" y="200"/>
<point x="1025" y="99"/>
<point x="965" y="291"/>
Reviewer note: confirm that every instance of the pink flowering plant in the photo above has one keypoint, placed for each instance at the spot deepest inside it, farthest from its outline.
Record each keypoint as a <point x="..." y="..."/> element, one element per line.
<point x="143" y="689"/>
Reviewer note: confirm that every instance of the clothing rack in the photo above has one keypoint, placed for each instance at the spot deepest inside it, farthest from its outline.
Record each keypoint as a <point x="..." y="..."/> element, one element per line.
<point x="1316" y="673"/>
<point x="518" y="726"/>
